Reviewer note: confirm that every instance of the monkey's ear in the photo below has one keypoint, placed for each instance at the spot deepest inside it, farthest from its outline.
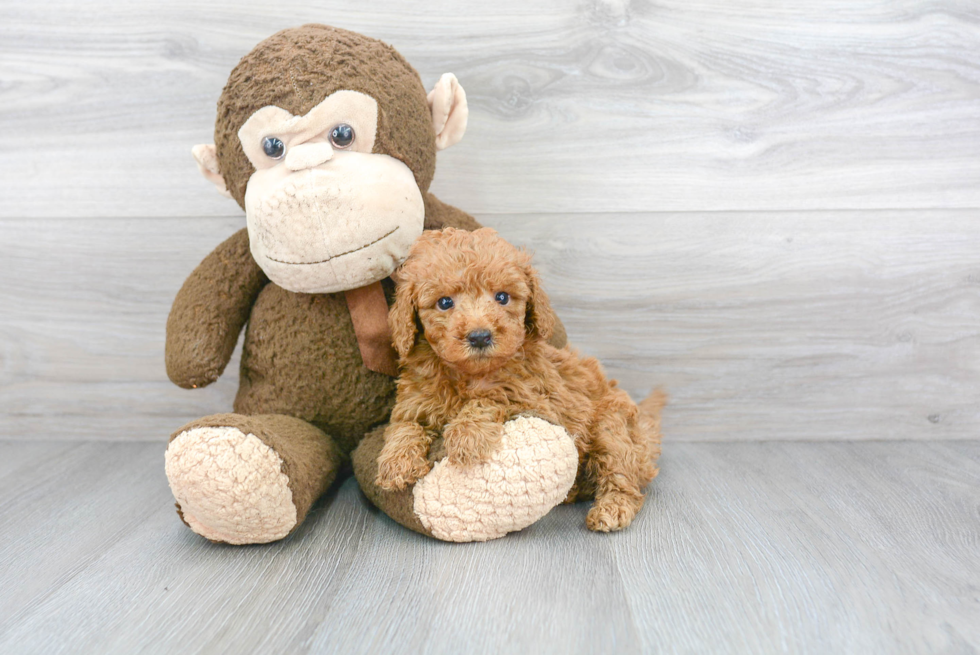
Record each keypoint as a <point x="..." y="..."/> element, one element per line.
<point x="447" y="102"/>
<point x="206" y="157"/>
<point x="401" y="317"/>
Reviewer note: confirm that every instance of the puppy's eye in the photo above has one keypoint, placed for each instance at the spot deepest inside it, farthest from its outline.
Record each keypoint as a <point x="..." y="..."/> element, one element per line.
<point x="342" y="136"/>
<point x="273" y="147"/>
<point x="444" y="303"/>
<point x="502" y="297"/>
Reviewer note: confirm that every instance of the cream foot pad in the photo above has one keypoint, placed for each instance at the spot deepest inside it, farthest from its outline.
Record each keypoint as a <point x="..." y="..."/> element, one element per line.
<point x="230" y="486"/>
<point x="530" y="473"/>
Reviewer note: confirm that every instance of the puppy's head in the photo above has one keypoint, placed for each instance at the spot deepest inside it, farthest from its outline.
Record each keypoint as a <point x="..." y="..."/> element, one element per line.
<point x="475" y="297"/>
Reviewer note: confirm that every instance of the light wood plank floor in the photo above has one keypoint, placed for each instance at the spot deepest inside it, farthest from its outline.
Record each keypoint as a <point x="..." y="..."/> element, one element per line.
<point x="742" y="547"/>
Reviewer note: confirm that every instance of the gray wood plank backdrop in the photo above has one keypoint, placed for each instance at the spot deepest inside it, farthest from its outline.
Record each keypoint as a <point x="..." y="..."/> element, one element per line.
<point x="768" y="208"/>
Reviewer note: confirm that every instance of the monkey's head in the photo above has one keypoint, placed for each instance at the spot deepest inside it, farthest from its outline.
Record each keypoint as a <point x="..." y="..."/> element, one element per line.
<point x="327" y="139"/>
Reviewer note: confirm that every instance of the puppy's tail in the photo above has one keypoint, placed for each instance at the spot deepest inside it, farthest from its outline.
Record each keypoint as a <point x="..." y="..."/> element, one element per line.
<point x="651" y="409"/>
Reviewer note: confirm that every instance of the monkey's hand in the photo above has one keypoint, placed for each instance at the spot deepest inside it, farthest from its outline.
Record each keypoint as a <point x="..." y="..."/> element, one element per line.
<point x="209" y="312"/>
<point x="403" y="460"/>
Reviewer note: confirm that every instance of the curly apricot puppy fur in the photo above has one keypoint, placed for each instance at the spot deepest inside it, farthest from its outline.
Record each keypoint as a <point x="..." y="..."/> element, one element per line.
<point x="481" y="358"/>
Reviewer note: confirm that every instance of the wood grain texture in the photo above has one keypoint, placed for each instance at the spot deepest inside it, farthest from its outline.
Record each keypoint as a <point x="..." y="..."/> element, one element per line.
<point x="83" y="327"/>
<point x="780" y="326"/>
<point x="741" y="548"/>
<point x="605" y="105"/>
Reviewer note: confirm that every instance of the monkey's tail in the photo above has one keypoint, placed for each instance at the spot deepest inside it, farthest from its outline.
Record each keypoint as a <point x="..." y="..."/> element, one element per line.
<point x="651" y="409"/>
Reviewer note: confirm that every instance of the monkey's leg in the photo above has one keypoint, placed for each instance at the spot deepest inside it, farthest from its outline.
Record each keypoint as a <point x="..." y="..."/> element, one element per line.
<point x="249" y="479"/>
<point x="529" y="472"/>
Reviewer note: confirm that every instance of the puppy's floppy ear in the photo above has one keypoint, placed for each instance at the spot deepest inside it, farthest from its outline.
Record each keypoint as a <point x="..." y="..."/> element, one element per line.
<point x="539" y="318"/>
<point x="401" y="316"/>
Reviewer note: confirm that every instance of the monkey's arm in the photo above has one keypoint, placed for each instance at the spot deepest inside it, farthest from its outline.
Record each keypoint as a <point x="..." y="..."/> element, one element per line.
<point x="209" y="312"/>
<point x="439" y="215"/>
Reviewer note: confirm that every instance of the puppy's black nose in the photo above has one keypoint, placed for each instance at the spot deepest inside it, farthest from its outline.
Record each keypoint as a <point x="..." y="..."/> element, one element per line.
<point x="479" y="338"/>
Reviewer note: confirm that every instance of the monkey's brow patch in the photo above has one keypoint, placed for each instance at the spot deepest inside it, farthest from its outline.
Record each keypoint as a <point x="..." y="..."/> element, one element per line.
<point x="366" y="245"/>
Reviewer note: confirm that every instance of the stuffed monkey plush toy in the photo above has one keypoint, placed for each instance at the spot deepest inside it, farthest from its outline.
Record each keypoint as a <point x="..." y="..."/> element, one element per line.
<point x="327" y="139"/>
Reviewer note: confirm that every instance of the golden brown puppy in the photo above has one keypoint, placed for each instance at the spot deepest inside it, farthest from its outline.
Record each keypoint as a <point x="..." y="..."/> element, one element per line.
<point x="482" y="358"/>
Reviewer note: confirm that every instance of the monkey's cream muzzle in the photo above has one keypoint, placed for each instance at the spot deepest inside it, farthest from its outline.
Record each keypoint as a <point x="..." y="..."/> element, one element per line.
<point x="323" y="219"/>
<point x="338" y="226"/>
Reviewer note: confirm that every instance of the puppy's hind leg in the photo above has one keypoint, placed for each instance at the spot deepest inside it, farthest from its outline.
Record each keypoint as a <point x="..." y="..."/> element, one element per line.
<point x="615" y="466"/>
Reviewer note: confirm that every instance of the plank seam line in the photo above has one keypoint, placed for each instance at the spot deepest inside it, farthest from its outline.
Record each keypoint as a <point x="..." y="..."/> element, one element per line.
<point x="627" y="212"/>
<point x="667" y="444"/>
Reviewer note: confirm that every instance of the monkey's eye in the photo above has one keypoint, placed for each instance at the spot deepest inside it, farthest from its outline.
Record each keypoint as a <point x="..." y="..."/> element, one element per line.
<point x="342" y="136"/>
<point x="273" y="147"/>
<point x="444" y="303"/>
<point x="502" y="297"/>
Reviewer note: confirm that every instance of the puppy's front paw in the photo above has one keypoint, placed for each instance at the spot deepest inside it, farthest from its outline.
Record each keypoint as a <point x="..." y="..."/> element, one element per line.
<point x="471" y="442"/>
<point x="612" y="512"/>
<point x="397" y="471"/>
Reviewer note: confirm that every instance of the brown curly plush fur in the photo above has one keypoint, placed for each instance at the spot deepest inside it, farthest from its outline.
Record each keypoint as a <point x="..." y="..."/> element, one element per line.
<point x="450" y="386"/>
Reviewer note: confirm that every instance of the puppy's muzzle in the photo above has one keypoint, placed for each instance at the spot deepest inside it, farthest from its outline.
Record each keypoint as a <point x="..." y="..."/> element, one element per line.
<point x="480" y="339"/>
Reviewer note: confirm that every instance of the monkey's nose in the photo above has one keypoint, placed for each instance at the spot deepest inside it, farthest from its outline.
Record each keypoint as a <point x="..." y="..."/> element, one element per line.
<point x="480" y="339"/>
<point x="308" y="155"/>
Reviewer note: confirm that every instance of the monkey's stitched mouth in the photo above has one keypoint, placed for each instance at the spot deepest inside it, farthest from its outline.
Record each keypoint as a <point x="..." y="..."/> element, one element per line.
<point x="366" y="245"/>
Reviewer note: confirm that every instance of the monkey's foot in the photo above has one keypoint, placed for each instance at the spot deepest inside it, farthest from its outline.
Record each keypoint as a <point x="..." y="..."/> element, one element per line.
<point x="230" y="486"/>
<point x="529" y="472"/>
